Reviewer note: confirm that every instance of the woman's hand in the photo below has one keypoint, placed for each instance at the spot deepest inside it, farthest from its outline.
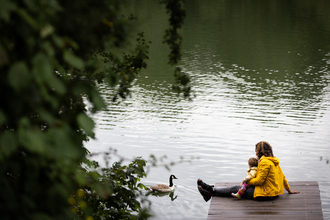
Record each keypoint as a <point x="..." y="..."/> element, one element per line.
<point x="293" y="192"/>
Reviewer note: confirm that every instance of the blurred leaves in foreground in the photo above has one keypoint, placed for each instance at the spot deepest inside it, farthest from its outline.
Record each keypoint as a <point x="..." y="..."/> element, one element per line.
<point x="52" y="54"/>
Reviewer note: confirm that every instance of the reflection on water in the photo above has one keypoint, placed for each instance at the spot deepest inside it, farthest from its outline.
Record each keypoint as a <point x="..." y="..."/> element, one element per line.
<point x="260" y="71"/>
<point x="162" y="194"/>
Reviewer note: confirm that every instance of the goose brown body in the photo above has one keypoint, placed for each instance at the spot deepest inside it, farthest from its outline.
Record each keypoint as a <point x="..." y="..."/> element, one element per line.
<point x="163" y="187"/>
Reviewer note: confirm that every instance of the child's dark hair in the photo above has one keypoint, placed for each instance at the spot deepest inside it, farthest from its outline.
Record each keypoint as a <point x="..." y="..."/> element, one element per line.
<point x="253" y="162"/>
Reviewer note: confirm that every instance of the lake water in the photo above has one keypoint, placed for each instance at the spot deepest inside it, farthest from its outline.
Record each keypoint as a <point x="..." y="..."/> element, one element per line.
<point x="260" y="71"/>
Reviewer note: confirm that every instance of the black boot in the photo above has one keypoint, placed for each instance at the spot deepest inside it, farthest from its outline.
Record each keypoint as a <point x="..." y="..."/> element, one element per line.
<point x="205" y="186"/>
<point x="206" y="194"/>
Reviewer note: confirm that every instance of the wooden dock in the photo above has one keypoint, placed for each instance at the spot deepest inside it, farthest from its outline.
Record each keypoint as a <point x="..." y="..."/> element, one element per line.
<point x="305" y="205"/>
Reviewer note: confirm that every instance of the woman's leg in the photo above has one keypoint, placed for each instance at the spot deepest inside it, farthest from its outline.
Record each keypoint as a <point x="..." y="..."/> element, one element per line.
<point x="207" y="191"/>
<point x="227" y="191"/>
<point x="249" y="193"/>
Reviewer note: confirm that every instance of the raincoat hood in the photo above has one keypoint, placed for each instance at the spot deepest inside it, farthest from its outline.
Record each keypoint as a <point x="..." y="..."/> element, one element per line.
<point x="275" y="160"/>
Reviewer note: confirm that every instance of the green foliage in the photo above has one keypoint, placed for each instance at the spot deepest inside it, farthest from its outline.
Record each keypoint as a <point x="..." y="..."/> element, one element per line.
<point x="52" y="54"/>
<point x="174" y="40"/>
<point x="111" y="193"/>
<point x="126" y="69"/>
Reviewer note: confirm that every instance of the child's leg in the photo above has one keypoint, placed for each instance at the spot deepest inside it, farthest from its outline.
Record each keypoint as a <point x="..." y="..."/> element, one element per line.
<point x="241" y="191"/>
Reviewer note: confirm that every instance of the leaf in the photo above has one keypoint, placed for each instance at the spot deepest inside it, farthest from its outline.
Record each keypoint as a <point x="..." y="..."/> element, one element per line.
<point x="44" y="73"/>
<point x="27" y="17"/>
<point x="30" y="137"/>
<point x="18" y="76"/>
<point x="141" y="186"/>
<point x="64" y="146"/>
<point x="57" y="85"/>
<point x="6" y="7"/>
<point x="86" y="123"/>
<point x="46" y="116"/>
<point x="34" y="141"/>
<point x="73" y="60"/>
<point x="42" y="68"/>
<point x="58" y="41"/>
<point x="8" y="143"/>
<point x="46" y="31"/>
<point x="97" y="100"/>
<point x="80" y="178"/>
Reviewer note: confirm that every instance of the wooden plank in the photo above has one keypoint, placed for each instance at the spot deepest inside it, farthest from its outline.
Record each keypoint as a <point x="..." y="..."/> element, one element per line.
<point x="305" y="205"/>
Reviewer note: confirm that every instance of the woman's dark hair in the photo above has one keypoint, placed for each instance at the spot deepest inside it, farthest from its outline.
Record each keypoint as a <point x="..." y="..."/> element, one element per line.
<point x="253" y="162"/>
<point x="263" y="148"/>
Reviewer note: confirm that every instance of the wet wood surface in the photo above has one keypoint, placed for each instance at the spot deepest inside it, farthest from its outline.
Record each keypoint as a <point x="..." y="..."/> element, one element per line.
<point x="305" y="205"/>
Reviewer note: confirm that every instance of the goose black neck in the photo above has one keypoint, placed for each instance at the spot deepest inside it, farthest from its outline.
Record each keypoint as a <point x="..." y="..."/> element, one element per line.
<point x="171" y="181"/>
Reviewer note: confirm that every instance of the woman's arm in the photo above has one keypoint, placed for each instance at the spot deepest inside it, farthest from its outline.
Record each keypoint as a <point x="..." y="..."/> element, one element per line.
<point x="264" y="168"/>
<point x="285" y="181"/>
<point x="250" y="175"/>
<point x="286" y="184"/>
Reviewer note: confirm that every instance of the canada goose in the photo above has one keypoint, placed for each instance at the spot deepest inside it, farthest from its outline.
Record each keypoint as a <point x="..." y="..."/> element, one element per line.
<point x="163" y="187"/>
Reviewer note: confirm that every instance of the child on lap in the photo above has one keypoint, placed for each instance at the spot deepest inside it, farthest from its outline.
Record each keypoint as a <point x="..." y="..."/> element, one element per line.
<point x="251" y="173"/>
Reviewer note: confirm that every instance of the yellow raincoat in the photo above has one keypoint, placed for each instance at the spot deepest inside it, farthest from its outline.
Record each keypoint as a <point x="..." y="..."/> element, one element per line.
<point x="270" y="179"/>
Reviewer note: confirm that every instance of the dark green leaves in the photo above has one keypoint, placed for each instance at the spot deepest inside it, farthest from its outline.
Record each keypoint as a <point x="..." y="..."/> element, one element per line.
<point x="52" y="54"/>
<point x="86" y="123"/>
<point x="174" y="40"/>
<point x="44" y="74"/>
<point x="118" y="191"/>
<point x="18" y="76"/>
<point x="73" y="60"/>
<point x="5" y="9"/>
<point x="8" y="143"/>
<point x="124" y="71"/>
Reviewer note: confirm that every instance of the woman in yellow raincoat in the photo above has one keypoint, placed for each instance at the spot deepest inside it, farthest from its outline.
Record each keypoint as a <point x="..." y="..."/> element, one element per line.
<point x="268" y="183"/>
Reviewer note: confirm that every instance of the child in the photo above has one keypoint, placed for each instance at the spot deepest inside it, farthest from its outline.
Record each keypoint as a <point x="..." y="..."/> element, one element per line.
<point x="251" y="173"/>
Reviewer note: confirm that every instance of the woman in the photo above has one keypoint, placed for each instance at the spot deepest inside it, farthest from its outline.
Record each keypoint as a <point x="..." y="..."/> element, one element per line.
<point x="268" y="183"/>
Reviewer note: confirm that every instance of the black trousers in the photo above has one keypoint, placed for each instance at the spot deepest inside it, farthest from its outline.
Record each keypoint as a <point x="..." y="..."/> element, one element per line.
<point x="227" y="191"/>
